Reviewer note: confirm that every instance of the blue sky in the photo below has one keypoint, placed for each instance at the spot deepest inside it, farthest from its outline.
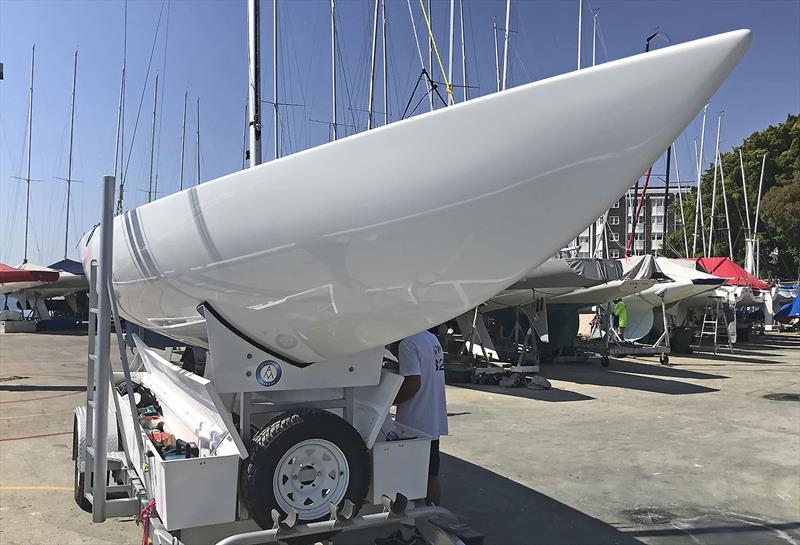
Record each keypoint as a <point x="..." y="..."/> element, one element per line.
<point x="200" y="48"/>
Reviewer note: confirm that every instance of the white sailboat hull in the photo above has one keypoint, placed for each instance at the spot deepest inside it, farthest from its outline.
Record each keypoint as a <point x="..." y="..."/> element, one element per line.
<point x="366" y="240"/>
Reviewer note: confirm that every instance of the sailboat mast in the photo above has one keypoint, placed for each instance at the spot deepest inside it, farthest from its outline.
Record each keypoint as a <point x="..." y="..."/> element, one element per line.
<point x="183" y="137"/>
<point x="275" y="125"/>
<point x="385" y="67"/>
<point x="594" y="37"/>
<point x="198" y="141"/>
<point x="698" y="211"/>
<point x="727" y="216"/>
<point x="30" y="143"/>
<point x="450" y="52"/>
<point x="153" y="142"/>
<point x="121" y="117"/>
<point x="758" y="198"/>
<point x="744" y="193"/>
<point x="430" y="52"/>
<point x="69" y="162"/>
<point x="371" y="102"/>
<point x="709" y="246"/>
<point x="680" y="199"/>
<point x="496" y="55"/>
<point x="254" y="73"/>
<point x="505" y="44"/>
<point x="463" y="51"/>
<point x="334" y="126"/>
<point x="580" y="28"/>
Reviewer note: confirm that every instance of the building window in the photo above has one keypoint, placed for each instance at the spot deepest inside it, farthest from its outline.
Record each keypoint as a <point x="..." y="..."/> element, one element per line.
<point x="613" y="220"/>
<point x="658" y="220"/>
<point x="614" y="253"/>
<point x="615" y="205"/>
<point x="614" y="237"/>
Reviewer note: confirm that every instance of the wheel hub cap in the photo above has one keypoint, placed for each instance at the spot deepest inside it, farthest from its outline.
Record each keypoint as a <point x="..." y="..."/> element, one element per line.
<point x="309" y="477"/>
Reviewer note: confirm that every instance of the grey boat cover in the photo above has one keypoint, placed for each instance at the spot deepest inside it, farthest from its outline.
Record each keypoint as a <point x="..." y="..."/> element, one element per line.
<point x="572" y="272"/>
<point x="664" y="268"/>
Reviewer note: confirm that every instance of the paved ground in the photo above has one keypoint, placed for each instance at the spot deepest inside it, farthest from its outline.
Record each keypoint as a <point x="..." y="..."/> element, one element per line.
<point x="635" y="454"/>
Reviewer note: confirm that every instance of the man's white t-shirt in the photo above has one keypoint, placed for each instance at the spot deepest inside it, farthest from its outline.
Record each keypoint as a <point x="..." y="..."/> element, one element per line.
<point x="421" y="354"/>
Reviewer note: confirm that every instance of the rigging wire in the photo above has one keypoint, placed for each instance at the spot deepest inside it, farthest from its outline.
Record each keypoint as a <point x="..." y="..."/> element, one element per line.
<point x="161" y="101"/>
<point x="447" y="85"/>
<point x="144" y="89"/>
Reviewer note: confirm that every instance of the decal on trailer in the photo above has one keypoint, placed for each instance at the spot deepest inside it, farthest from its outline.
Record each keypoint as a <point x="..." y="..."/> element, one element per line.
<point x="268" y="373"/>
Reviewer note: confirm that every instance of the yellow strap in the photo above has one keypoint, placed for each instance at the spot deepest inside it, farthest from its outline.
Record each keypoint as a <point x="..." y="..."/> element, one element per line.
<point x="438" y="58"/>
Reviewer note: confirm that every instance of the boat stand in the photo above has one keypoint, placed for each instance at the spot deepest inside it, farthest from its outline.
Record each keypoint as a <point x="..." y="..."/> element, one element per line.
<point x="614" y="346"/>
<point x="119" y="473"/>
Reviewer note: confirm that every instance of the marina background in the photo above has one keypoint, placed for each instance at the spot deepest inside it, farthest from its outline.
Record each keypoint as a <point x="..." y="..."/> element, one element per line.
<point x="198" y="49"/>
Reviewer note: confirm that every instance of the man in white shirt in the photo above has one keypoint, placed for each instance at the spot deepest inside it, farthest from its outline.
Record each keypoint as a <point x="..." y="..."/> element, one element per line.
<point x="421" y="402"/>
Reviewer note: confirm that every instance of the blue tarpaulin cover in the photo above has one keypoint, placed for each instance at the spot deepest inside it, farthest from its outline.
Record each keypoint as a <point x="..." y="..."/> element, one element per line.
<point x="790" y="310"/>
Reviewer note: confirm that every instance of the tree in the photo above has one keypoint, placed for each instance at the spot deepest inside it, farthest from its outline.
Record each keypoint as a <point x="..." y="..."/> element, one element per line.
<point x="781" y="143"/>
<point x="781" y="211"/>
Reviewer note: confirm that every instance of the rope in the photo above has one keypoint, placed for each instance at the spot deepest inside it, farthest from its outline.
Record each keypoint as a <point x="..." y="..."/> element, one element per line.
<point x="438" y="57"/>
<point x="147" y="513"/>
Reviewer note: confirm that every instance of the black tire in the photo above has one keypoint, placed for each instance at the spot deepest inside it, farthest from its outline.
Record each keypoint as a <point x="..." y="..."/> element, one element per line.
<point x="604" y="361"/>
<point x="79" y="482"/>
<point x="276" y="438"/>
<point x="664" y="359"/>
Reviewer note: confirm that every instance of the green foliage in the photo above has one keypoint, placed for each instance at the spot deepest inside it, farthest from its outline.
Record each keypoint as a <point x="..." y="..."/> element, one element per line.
<point x="778" y="225"/>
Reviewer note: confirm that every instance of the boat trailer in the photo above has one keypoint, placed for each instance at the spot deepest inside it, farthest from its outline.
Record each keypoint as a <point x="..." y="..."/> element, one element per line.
<point x="269" y="452"/>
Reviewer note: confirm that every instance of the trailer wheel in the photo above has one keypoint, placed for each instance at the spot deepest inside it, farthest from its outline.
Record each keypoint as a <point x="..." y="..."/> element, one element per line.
<point x="305" y="460"/>
<point x="78" y="440"/>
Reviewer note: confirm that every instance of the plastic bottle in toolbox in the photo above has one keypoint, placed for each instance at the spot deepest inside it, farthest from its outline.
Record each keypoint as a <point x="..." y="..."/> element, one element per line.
<point x="208" y="439"/>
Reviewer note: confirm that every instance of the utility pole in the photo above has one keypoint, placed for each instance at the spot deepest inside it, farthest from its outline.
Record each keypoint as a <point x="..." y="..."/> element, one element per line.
<point x="254" y="73"/>
<point x="69" y="162"/>
<point x="30" y="145"/>
<point x="183" y="138"/>
<point x="152" y="142"/>
<point x="505" y="44"/>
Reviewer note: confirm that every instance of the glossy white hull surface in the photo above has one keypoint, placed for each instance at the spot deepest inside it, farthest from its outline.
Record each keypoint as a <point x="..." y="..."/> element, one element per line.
<point x="366" y="240"/>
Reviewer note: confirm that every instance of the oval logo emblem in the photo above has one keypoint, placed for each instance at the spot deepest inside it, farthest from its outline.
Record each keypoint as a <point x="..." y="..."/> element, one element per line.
<point x="268" y="373"/>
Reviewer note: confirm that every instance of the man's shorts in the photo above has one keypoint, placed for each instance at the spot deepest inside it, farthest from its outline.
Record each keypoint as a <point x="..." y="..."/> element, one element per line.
<point x="433" y="465"/>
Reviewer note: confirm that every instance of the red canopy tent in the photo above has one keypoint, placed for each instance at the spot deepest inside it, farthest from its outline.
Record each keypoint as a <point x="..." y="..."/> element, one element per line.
<point x="736" y="276"/>
<point x="12" y="274"/>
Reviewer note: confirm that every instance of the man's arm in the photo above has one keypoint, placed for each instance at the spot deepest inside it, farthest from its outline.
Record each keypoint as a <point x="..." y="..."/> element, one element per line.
<point x="411" y="369"/>
<point x="409" y="388"/>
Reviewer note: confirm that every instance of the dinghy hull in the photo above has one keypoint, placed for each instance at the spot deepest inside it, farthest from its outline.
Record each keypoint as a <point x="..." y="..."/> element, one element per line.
<point x="363" y="241"/>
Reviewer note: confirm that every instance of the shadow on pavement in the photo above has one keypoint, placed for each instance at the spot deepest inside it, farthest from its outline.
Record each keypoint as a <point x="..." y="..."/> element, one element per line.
<point x="552" y="395"/>
<point x="508" y="513"/>
<point x="738" y="356"/>
<point x="40" y="388"/>
<point x="639" y="368"/>
<point x="619" y="375"/>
